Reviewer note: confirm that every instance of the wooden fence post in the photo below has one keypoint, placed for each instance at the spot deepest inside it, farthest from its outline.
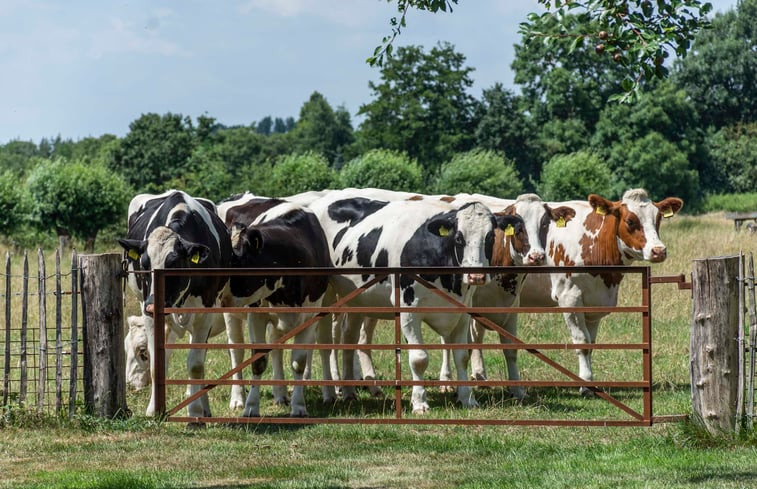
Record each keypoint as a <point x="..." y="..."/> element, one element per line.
<point x="103" y="332"/>
<point x="714" y="345"/>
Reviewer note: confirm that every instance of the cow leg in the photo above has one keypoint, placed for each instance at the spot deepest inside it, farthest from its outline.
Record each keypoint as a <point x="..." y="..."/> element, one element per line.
<point x="477" y="367"/>
<point x="256" y="324"/>
<point x="445" y="372"/>
<point x="325" y="337"/>
<point x="592" y="325"/>
<point x="196" y="366"/>
<point x="280" y="396"/>
<point x="150" y="333"/>
<point x="350" y="336"/>
<point x="511" y="357"/>
<point x="235" y="334"/>
<point x="299" y="362"/>
<point x="411" y="328"/>
<point x="580" y="335"/>
<point x="365" y="358"/>
<point x="461" y="357"/>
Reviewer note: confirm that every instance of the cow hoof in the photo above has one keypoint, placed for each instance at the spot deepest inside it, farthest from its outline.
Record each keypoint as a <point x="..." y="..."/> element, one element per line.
<point x="587" y="393"/>
<point x="281" y="401"/>
<point x="376" y="392"/>
<point x="251" y="413"/>
<point x="349" y="394"/>
<point x="518" y="394"/>
<point x="299" y="413"/>
<point x="468" y="404"/>
<point x="421" y="408"/>
<point x="236" y="404"/>
<point x="446" y="389"/>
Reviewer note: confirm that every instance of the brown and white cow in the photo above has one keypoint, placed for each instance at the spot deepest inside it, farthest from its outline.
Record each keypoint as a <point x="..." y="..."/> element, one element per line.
<point x="601" y="232"/>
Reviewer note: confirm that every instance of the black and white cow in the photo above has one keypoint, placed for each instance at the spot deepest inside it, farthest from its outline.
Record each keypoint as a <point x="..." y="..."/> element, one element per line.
<point x="175" y="230"/>
<point x="373" y="233"/>
<point x="272" y="233"/>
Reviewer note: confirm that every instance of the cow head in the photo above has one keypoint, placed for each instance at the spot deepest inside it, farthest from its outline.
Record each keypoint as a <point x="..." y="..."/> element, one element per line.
<point x="511" y="245"/>
<point x="538" y="216"/>
<point x="137" y="354"/>
<point x="164" y="248"/>
<point x="638" y="223"/>
<point x="469" y="232"/>
<point x="250" y="250"/>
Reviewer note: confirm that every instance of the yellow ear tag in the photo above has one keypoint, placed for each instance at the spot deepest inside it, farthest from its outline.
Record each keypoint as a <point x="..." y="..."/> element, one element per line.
<point x="509" y="230"/>
<point x="560" y="222"/>
<point x="195" y="258"/>
<point x="443" y="231"/>
<point x="667" y="212"/>
<point x="601" y="211"/>
<point x="133" y="254"/>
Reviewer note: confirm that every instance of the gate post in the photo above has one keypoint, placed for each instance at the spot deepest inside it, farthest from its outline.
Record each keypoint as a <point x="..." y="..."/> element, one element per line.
<point x="103" y="334"/>
<point x="714" y="345"/>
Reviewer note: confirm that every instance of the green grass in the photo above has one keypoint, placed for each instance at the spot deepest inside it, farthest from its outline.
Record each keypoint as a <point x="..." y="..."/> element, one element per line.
<point x="40" y="451"/>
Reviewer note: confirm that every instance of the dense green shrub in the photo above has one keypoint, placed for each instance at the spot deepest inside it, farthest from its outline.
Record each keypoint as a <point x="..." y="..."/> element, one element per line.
<point x="575" y="176"/>
<point x="479" y="171"/>
<point x="13" y="203"/>
<point x="380" y="168"/>
<point x="731" y="202"/>
<point x="295" y="173"/>
<point x="77" y="199"/>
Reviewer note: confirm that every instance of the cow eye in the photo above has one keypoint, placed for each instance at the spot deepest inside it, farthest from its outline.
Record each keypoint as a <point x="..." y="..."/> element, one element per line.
<point x="459" y="239"/>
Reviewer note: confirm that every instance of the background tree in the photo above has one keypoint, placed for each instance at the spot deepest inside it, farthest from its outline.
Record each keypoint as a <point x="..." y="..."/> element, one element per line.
<point x="574" y="176"/>
<point x="155" y="150"/>
<point x="421" y="106"/>
<point x="321" y="130"/>
<point x="720" y="73"/>
<point x="733" y="152"/>
<point x="76" y="198"/>
<point x="300" y="172"/>
<point x="17" y="156"/>
<point x="505" y="127"/>
<point x="663" y="115"/>
<point x="380" y="168"/>
<point x="264" y="126"/>
<point x="640" y="33"/>
<point x="659" y="166"/>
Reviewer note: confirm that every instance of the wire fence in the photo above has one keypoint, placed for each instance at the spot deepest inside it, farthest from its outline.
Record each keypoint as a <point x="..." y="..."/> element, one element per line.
<point x="41" y="337"/>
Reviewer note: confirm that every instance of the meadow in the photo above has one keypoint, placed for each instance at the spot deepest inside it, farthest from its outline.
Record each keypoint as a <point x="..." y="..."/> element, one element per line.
<point x="43" y="451"/>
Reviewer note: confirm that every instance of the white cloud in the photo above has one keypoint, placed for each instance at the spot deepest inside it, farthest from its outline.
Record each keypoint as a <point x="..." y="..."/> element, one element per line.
<point x="123" y="36"/>
<point x="347" y="13"/>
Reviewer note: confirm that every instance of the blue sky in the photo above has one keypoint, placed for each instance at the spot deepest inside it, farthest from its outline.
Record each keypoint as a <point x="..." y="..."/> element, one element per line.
<point x="85" y="68"/>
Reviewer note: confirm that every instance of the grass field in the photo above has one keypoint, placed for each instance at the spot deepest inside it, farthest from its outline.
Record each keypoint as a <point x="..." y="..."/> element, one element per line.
<point x="38" y="451"/>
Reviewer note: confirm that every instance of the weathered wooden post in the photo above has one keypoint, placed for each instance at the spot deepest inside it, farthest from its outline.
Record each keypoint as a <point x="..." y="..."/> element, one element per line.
<point x="103" y="332"/>
<point x="714" y="345"/>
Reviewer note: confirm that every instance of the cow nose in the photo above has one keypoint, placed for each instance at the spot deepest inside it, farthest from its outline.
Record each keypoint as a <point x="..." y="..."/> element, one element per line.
<point x="536" y="258"/>
<point x="476" y="279"/>
<point x="659" y="253"/>
<point x="149" y="309"/>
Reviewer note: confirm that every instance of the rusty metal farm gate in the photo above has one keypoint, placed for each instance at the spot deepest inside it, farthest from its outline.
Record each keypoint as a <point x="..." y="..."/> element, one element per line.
<point x="635" y="416"/>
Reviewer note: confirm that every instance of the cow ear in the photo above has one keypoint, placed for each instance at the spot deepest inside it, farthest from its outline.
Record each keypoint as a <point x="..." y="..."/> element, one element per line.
<point x="133" y="247"/>
<point x="670" y="206"/>
<point x="510" y="224"/>
<point x="561" y="215"/>
<point x="238" y="236"/>
<point x="254" y="240"/>
<point x="603" y="206"/>
<point x="509" y="210"/>
<point x="196" y="252"/>
<point x="441" y="226"/>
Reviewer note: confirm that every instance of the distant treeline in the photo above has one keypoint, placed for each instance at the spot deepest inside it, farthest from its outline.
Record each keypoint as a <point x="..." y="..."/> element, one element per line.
<point x="693" y="135"/>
